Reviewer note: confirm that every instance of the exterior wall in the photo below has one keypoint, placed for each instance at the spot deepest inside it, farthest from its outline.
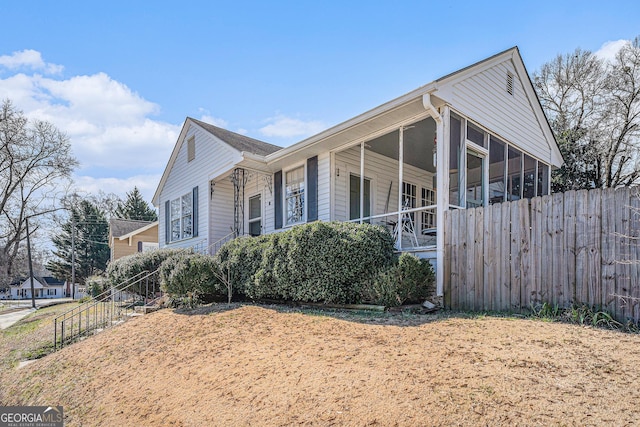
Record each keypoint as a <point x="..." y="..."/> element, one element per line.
<point x="220" y="210"/>
<point x="483" y="98"/>
<point x="212" y="157"/>
<point x="123" y="248"/>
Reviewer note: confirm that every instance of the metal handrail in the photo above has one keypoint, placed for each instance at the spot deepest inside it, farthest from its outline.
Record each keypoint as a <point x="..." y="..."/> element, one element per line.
<point x="104" y="313"/>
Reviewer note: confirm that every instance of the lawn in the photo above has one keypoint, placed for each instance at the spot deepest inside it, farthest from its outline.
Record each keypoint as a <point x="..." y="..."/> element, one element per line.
<point x="256" y="365"/>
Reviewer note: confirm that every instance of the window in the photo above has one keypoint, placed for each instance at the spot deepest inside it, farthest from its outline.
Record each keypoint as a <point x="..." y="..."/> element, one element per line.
<point x="255" y="215"/>
<point x="529" y="181"/>
<point x="514" y="178"/>
<point x="476" y="135"/>
<point x="428" y="217"/>
<point x="354" y="197"/>
<point x="455" y="160"/>
<point x="181" y="217"/>
<point x="543" y="179"/>
<point x="191" y="148"/>
<point x="294" y="195"/>
<point x="496" y="171"/>
<point x="409" y="197"/>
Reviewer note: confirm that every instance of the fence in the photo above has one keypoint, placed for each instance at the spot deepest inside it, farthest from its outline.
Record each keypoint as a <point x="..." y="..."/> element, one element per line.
<point x="573" y="247"/>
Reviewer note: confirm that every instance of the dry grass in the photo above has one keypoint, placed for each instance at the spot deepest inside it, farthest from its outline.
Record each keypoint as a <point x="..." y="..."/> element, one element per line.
<point x="260" y="366"/>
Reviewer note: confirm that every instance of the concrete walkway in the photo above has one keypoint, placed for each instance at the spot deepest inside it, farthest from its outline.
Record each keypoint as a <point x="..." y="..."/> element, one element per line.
<point x="20" y="309"/>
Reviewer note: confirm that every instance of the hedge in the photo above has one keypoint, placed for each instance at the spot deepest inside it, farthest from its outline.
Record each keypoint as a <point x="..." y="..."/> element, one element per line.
<point x="121" y="270"/>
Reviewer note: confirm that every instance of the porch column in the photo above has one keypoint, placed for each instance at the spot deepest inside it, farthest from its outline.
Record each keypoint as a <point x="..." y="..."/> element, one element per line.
<point x="442" y="191"/>
<point x="362" y="181"/>
<point x="400" y="177"/>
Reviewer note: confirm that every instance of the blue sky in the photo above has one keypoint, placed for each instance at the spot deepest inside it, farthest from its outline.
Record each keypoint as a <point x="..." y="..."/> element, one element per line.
<point x="120" y="77"/>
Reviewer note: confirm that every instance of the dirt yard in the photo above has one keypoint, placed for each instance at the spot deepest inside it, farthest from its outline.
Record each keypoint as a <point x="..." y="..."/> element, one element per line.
<point x="260" y="366"/>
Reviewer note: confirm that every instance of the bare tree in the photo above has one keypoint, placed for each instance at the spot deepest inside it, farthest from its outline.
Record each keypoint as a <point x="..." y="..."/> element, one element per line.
<point x="35" y="165"/>
<point x="593" y="107"/>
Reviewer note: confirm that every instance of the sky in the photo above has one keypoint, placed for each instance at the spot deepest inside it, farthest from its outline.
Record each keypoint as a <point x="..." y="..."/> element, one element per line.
<point x="119" y="78"/>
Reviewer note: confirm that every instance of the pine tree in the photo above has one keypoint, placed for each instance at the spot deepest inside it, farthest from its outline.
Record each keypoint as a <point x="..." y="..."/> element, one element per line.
<point x="136" y="208"/>
<point x="91" y="247"/>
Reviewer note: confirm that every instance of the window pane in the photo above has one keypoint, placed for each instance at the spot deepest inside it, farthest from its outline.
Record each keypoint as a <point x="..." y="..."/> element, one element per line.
<point x="455" y="136"/>
<point x="475" y="134"/>
<point x="254" y="228"/>
<point x="529" y="189"/>
<point x="497" y="182"/>
<point x="175" y="209"/>
<point x="514" y="179"/>
<point x="254" y="207"/>
<point x="294" y="194"/>
<point x="543" y="179"/>
<point x="186" y="227"/>
<point x="186" y="204"/>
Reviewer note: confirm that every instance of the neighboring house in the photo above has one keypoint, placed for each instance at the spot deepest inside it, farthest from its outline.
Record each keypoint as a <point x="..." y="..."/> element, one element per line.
<point x="44" y="287"/>
<point x="127" y="236"/>
<point x="472" y="138"/>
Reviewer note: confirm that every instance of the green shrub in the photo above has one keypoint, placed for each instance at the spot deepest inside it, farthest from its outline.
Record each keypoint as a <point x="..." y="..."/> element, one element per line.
<point x="317" y="262"/>
<point x="239" y="261"/>
<point x="121" y="270"/>
<point x="410" y="280"/>
<point x="191" y="275"/>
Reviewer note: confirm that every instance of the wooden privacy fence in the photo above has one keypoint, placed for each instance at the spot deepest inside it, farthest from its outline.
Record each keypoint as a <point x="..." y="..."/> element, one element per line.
<point x="574" y="247"/>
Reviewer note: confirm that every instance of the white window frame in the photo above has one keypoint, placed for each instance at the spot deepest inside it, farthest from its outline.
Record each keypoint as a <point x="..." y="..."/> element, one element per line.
<point x="257" y="219"/>
<point x="285" y="197"/>
<point x="179" y="218"/>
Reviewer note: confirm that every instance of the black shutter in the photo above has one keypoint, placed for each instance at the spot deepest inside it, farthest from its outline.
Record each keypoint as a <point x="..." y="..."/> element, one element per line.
<point x="312" y="189"/>
<point x="167" y="223"/>
<point x="277" y="199"/>
<point x="195" y="212"/>
<point x="139" y="246"/>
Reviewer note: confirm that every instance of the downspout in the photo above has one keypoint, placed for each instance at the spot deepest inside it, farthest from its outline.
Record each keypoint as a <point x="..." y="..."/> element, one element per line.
<point x="442" y="191"/>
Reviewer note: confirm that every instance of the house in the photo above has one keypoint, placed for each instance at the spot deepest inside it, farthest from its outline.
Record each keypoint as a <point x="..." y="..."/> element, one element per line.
<point x="44" y="287"/>
<point x="472" y="138"/>
<point x="127" y="236"/>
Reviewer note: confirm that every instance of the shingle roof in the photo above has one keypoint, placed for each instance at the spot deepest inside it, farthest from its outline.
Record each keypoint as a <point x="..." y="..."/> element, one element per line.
<point x="120" y="227"/>
<point x="239" y="142"/>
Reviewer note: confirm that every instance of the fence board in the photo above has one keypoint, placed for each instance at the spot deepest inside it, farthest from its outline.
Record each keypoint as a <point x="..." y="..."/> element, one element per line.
<point x="471" y="276"/>
<point x="608" y="254"/>
<point x="569" y="235"/>
<point x="478" y="262"/>
<point x="462" y="260"/>
<point x="580" y="249"/>
<point x="525" y="253"/>
<point x="505" y="257"/>
<point x="622" y="250"/>
<point x="448" y="254"/>
<point x="516" y="271"/>
<point x="536" y="250"/>
<point x="557" y="260"/>
<point x="493" y="284"/>
<point x="546" y="283"/>
<point x="594" y="225"/>
<point x="635" y="253"/>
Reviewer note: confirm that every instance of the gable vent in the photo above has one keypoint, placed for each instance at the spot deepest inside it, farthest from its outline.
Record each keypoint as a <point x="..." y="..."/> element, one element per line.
<point x="509" y="83"/>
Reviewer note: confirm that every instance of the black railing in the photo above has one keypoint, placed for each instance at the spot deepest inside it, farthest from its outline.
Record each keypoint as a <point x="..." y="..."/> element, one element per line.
<point x="111" y="307"/>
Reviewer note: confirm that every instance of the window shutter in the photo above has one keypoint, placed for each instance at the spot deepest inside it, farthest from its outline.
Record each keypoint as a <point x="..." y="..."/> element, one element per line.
<point x="277" y="199"/>
<point x="139" y="246"/>
<point x="167" y="222"/>
<point x="312" y="188"/>
<point x="195" y="212"/>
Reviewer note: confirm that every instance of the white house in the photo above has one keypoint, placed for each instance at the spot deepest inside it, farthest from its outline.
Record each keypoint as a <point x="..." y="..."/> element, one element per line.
<point x="44" y="287"/>
<point x="472" y="138"/>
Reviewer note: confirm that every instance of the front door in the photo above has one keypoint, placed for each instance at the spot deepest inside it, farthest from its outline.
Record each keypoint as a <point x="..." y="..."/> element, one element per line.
<point x="255" y="215"/>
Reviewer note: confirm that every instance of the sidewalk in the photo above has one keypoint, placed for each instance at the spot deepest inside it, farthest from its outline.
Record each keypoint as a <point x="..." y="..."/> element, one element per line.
<point x="23" y="308"/>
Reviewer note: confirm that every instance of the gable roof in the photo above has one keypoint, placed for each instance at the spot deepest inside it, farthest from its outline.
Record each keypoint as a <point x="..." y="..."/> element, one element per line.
<point x="237" y="141"/>
<point x="119" y="227"/>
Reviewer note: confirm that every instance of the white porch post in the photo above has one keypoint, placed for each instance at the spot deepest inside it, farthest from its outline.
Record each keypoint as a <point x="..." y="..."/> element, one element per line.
<point x="400" y="175"/>
<point x="442" y="191"/>
<point x="362" y="181"/>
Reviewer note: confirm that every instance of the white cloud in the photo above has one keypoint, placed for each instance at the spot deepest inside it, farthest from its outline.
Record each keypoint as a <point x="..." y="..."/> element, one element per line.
<point x="30" y="59"/>
<point x="109" y="125"/>
<point x="609" y="50"/>
<point x="288" y="127"/>
<point x="120" y="186"/>
<point x="216" y="121"/>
